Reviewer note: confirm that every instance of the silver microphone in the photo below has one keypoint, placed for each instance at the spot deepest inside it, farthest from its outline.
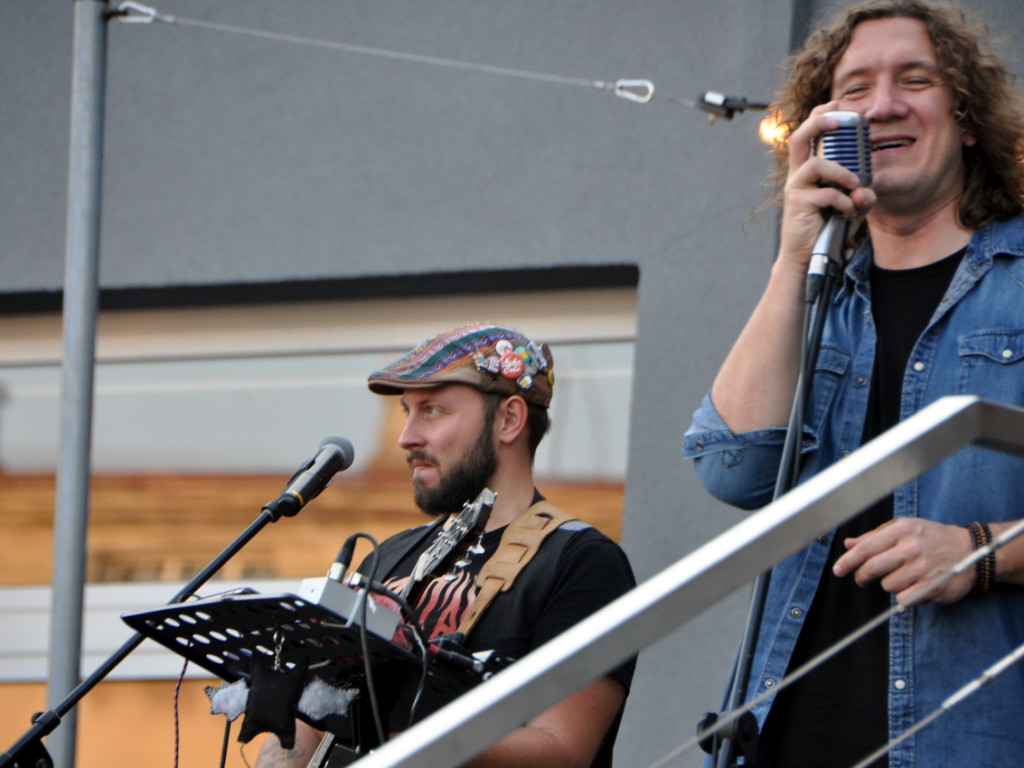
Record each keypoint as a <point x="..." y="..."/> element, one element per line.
<point x="849" y="144"/>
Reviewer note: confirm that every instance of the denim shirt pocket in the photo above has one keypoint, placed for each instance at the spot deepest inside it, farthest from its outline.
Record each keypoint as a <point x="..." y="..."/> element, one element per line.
<point x="992" y="365"/>
<point x="829" y="369"/>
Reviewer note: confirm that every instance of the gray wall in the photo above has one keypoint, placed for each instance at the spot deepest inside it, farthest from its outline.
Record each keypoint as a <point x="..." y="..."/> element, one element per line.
<point x="233" y="159"/>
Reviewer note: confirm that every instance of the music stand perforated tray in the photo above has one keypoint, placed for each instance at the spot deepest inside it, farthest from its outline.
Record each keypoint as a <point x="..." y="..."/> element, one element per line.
<point x="223" y="633"/>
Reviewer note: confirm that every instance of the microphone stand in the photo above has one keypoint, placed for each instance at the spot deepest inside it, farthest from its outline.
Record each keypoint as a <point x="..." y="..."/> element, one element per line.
<point x="823" y="275"/>
<point x="28" y="751"/>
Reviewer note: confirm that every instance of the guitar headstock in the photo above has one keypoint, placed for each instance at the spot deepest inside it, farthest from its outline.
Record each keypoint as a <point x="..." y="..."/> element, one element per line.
<point x="472" y="520"/>
<point x="453" y="543"/>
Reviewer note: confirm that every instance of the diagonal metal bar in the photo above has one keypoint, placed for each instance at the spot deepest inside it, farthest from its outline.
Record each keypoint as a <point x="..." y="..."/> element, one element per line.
<point x="669" y="599"/>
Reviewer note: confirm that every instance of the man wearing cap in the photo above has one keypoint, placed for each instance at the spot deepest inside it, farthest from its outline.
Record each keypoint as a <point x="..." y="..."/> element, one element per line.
<point x="476" y="400"/>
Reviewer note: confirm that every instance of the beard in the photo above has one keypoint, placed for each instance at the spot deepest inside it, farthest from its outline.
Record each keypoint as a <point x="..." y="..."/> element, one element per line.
<point x="465" y="480"/>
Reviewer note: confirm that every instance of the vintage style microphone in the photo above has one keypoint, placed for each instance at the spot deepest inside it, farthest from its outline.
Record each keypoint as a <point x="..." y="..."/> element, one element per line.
<point x="849" y="145"/>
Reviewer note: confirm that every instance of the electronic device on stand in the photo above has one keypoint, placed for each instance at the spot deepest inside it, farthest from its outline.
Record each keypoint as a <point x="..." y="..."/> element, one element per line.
<point x="343" y="662"/>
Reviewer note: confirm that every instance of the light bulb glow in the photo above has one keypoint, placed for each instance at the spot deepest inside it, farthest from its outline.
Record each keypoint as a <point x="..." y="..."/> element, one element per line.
<point x="772" y="131"/>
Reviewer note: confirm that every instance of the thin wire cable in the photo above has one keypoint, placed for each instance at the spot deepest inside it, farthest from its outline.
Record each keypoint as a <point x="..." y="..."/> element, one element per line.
<point x="916" y="597"/>
<point x="637" y="90"/>
<point x="126" y="12"/>
<point x="987" y="676"/>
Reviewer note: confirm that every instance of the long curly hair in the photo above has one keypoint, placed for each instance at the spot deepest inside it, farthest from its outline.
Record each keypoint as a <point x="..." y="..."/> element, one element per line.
<point x="985" y="103"/>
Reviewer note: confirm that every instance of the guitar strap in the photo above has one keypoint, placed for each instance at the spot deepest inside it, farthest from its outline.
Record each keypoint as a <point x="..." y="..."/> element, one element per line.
<point x="519" y="543"/>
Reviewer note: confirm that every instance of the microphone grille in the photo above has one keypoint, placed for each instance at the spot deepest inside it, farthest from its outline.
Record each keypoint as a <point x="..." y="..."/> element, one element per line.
<point x="348" y="453"/>
<point x="849" y="144"/>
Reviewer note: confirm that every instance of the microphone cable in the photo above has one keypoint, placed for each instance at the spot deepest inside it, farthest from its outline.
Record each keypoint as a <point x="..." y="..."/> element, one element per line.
<point x="412" y="624"/>
<point x="364" y="643"/>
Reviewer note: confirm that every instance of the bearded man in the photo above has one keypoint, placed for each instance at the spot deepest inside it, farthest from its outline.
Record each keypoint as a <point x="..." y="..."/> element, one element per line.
<point x="476" y="402"/>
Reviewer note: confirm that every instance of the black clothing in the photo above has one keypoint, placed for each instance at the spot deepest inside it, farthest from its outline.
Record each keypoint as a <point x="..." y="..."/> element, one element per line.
<point x="802" y="726"/>
<point x="576" y="571"/>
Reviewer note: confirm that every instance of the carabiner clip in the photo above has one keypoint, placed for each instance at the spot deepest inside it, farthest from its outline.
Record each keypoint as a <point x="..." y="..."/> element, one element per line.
<point x="131" y="12"/>
<point x="643" y="95"/>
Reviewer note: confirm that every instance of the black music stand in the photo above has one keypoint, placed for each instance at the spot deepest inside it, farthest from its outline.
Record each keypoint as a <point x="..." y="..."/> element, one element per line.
<point x="224" y="633"/>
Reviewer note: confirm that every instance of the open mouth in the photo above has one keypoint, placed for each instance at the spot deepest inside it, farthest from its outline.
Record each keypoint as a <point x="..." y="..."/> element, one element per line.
<point x="883" y="144"/>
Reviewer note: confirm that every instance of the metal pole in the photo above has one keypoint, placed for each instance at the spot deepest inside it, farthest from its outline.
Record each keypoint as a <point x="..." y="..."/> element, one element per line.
<point x="81" y="269"/>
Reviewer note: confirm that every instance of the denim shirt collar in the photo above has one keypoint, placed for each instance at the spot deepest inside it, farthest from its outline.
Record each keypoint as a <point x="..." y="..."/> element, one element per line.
<point x="1001" y="237"/>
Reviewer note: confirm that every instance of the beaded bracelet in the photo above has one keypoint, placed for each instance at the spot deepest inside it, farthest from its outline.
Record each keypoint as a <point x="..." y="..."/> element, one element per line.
<point x="985" y="568"/>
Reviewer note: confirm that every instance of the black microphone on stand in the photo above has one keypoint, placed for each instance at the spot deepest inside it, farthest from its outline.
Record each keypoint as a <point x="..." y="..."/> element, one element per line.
<point x="334" y="455"/>
<point x="849" y="144"/>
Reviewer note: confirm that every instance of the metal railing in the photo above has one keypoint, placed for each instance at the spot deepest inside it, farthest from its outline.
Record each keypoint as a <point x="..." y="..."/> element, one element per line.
<point x="672" y="597"/>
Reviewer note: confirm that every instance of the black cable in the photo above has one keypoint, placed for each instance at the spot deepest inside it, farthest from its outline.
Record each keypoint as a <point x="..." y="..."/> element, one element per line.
<point x="371" y="690"/>
<point x="412" y="623"/>
<point x="177" y="714"/>
<point x="423" y="678"/>
<point x="787" y="478"/>
<point x="227" y="740"/>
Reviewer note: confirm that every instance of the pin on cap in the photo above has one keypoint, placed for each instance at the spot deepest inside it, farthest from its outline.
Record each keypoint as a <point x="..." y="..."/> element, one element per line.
<point x="491" y="358"/>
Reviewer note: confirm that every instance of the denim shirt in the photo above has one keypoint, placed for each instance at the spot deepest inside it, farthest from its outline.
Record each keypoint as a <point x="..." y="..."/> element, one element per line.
<point x="973" y="345"/>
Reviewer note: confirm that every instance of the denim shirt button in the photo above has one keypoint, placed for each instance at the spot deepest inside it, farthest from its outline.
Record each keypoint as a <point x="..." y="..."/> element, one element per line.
<point x="769" y="683"/>
<point x="918" y="366"/>
<point x="1007" y="354"/>
<point x="823" y="539"/>
<point x="900" y="684"/>
<point x="796" y="613"/>
<point x="862" y="380"/>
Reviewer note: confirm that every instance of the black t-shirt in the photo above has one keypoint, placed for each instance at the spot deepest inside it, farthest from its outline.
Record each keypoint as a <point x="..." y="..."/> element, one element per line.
<point x="576" y="571"/>
<point x="837" y="714"/>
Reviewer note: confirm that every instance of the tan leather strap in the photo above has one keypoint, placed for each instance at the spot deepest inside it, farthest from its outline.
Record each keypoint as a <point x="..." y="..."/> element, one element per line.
<point x="519" y="543"/>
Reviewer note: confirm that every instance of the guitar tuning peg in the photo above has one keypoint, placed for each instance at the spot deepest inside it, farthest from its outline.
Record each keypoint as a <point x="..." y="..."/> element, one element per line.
<point x="478" y="547"/>
<point x="462" y="562"/>
<point x="453" y="574"/>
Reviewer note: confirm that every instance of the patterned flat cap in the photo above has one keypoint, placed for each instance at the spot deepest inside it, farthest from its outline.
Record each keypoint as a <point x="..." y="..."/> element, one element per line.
<point x="491" y="358"/>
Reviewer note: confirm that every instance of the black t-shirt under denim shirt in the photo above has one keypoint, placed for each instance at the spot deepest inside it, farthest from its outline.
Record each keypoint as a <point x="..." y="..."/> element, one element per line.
<point x="822" y="720"/>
